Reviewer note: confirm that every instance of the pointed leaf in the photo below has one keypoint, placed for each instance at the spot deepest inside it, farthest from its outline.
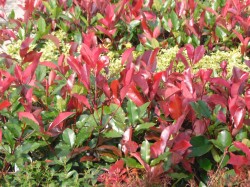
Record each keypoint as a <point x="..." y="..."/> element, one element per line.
<point x="60" y="118"/>
<point x="69" y="137"/>
<point x="145" y="151"/>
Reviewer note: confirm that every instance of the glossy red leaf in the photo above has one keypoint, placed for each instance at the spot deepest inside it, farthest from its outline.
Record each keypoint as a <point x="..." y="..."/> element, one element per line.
<point x="82" y="99"/>
<point x="25" y="46"/>
<point x="81" y="70"/>
<point x="198" y="53"/>
<point x="127" y="136"/>
<point x="141" y="80"/>
<point x="200" y="127"/>
<point x="135" y="96"/>
<point x="60" y="118"/>
<point x="175" y="106"/>
<point x="114" y="86"/>
<point x="238" y="117"/>
<point x="4" y="104"/>
<point x="29" y="72"/>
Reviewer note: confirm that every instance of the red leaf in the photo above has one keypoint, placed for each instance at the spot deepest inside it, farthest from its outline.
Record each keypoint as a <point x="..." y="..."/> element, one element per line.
<point x="190" y="51"/>
<point x="175" y="106"/>
<point x="61" y="117"/>
<point x="114" y="86"/>
<point x="79" y="150"/>
<point x="159" y="147"/>
<point x="53" y="38"/>
<point x="135" y="96"/>
<point x="82" y="99"/>
<point x="237" y="160"/>
<point x="29" y="72"/>
<point x="200" y="127"/>
<point x="25" y="46"/>
<point x="81" y="70"/>
<point x="221" y="117"/>
<point x="244" y="148"/>
<point x="129" y="147"/>
<point x="181" y="146"/>
<point x="28" y="115"/>
<point x="198" y="54"/>
<point x="238" y="117"/>
<point x="112" y="148"/>
<point x="48" y="64"/>
<point x="118" y="165"/>
<point x="127" y="136"/>
<point x="127" y="56"/>
<point x="141" y="80"/>
<point x="4" y="104"/>
<point x="87" y="158"/>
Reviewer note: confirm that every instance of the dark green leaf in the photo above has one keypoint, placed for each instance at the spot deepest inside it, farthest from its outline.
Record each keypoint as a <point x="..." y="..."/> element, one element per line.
<point x="224" y="139"/>
<point x="200" y="146"/>
<point x="205" y="164"/>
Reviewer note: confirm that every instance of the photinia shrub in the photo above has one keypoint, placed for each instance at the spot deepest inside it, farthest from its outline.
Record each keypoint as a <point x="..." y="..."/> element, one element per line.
<point x="65" y="117"/>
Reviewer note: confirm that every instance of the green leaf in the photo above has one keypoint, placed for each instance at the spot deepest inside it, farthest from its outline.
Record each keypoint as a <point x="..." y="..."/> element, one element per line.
<point x="220" y="33"/>
<point x="224" y="139"/>
<point x="41" y="24"/>
<point x="178" y="175"/>
<point x="144" y="126"/>
<point x="215" y="155"/>
<point x="201" y="109"/>
<point x="132" y="112"/>
<point x="145" y="151"/>
<point x="200" y="146"/>
<point x="131" y="162"/>
<point x="143" y="109"/>
<point x="69" y="137"/>
<point x="83" y="135"/>
<point x="205" y="164"/>
<point x="40" y="73"/>
<point x="162" y="157"/>
<point x="175" y="21"/>
<point x="112" y="134"/>
<point x="60" y="103"/>
<point x="134" y="24"/>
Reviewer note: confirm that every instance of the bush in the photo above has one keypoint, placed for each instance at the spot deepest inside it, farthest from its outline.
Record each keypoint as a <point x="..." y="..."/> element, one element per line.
<point x="118" y="94"/>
